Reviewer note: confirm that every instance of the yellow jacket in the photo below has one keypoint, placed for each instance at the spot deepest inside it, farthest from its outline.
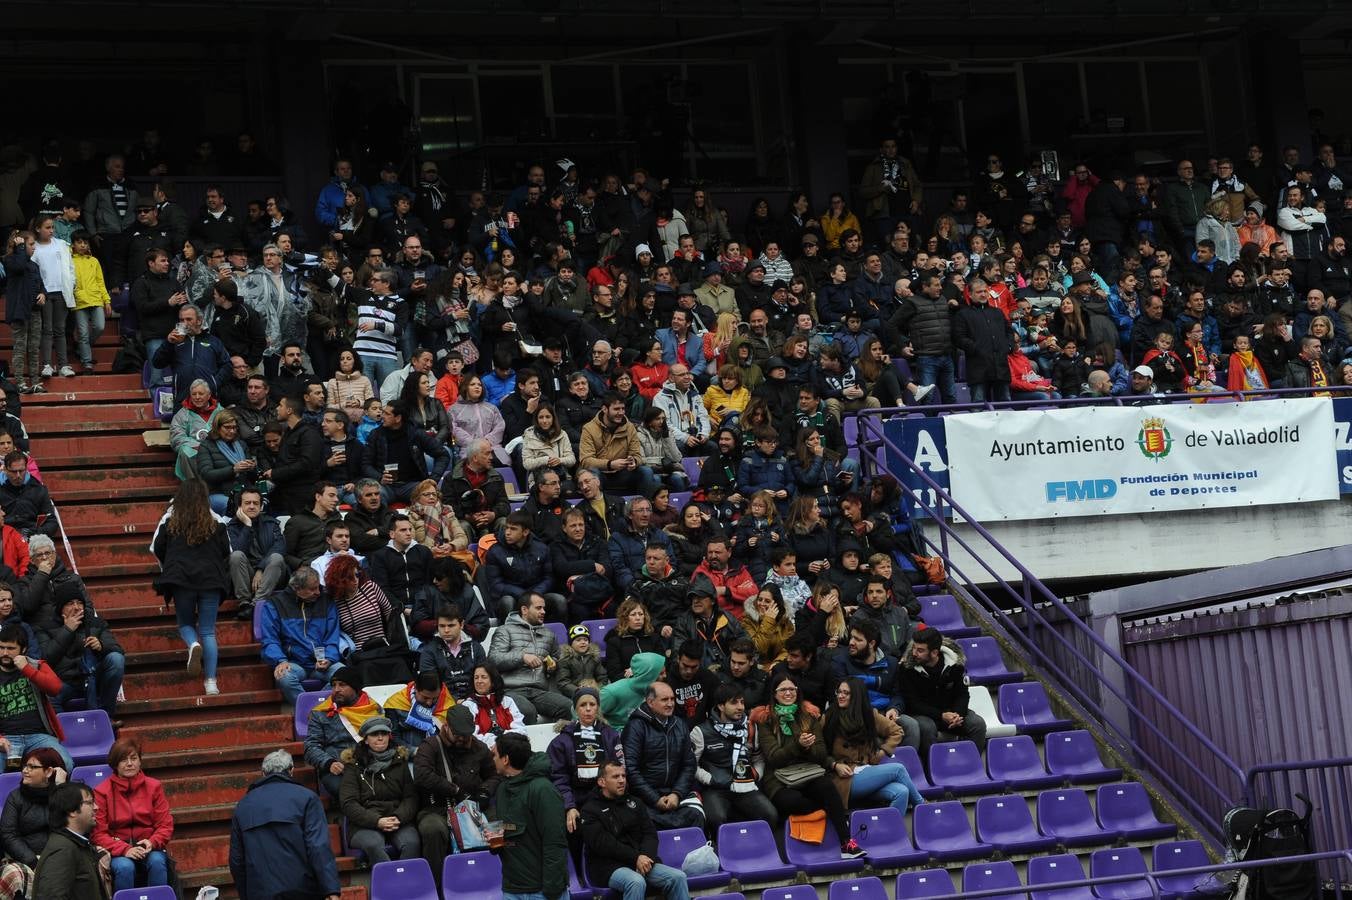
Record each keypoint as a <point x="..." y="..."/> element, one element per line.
<point x="719" y="402"/>
<point x="89" y="287"/>
<point x="832" y="228"/>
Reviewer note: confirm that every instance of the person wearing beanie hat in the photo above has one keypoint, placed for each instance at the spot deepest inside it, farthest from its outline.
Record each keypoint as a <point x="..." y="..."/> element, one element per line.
<point x="448" y="770"/>
<point x="706" y="623"/>
<point x="75" y="638"/>
<point x="335" y="724"/>
<point x="377" y="795"/>
<point x="578" y="750"/>
<point x="713" y="293"/>
<point x="579" y="663"/>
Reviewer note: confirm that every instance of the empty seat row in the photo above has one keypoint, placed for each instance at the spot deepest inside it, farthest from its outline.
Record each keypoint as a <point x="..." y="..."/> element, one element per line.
<point x="1012" y="763"/>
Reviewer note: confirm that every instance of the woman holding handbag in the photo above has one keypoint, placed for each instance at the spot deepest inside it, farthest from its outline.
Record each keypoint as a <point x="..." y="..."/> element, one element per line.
<point x="132" y="821"/>
<point x="796" y="761"/>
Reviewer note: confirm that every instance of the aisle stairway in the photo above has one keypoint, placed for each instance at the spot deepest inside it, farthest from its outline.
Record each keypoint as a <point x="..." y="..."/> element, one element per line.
<point x="110" y="489"/>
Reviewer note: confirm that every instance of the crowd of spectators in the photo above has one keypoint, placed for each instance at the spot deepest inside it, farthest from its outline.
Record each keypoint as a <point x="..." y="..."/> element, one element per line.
<point x="668" y="389"/>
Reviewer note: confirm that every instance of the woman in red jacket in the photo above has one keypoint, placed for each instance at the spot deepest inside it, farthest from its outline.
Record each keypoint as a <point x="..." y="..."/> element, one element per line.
<point x="133" y="822"/>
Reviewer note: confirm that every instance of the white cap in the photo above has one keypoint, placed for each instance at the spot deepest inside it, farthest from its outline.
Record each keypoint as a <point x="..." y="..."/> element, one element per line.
<point x="1143" y="371"/>
<point x="643" y="248"/>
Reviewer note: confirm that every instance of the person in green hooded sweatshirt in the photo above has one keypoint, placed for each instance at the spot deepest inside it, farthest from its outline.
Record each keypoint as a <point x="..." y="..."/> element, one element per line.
<point x="534" y="859"/>
<point x="620" y="698"/>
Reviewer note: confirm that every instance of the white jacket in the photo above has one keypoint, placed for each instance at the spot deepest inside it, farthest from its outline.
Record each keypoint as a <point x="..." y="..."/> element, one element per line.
<point x="685" y="411"/>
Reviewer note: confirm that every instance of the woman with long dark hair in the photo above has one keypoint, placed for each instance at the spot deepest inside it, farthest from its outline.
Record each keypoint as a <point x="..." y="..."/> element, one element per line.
<point x="545" y="448"/>
<point x="425" y="411"/>
<point x="194" y="549"/>
<point x="706" y="223"/>
<point x="494" y="712"/>
<point x="858" y="737"/>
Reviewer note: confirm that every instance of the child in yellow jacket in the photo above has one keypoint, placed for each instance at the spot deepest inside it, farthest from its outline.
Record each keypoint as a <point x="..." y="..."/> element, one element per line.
<point x="92" y="302"/>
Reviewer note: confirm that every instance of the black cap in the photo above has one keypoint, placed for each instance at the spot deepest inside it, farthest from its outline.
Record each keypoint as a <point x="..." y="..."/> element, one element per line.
<point x="685" y="290"/>
<point x="779" y="285"/>
<point x="775" y="362"/>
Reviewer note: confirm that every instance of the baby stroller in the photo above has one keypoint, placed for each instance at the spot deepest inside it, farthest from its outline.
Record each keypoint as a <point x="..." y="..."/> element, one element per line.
<point x="1257" y="834"/>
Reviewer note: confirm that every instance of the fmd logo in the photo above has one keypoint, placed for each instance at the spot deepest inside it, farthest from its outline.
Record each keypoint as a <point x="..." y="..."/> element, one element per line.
<point x="1075" y="491"/>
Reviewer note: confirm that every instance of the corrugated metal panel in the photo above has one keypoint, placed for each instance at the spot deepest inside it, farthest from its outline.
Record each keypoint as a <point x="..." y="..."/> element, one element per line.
<point x="1267" y="685"/>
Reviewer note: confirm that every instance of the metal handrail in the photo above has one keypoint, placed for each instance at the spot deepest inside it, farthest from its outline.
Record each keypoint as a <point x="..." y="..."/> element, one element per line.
<point x="1033" y="588"/>
<point x="65" y="541"/>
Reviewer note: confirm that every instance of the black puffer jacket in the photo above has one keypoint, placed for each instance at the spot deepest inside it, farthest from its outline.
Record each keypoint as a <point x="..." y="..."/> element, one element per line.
<point x="367" y="798"/>
<point x="658" y="756"/>
<point x="928" y="323"/>
<point x="23" y="824"/>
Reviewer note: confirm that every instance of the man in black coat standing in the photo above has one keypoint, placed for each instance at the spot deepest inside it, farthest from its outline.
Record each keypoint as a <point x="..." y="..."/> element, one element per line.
<point x="1106" y="217"/>
<point x="299" y="460"/>
<point x="982" y="333"/>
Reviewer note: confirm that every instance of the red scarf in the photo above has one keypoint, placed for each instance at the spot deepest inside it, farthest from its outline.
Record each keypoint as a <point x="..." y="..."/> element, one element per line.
<point x="490" y="712"/>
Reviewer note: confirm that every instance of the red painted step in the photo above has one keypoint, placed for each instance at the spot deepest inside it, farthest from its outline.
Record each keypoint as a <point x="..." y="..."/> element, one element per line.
<point x="115" y="482"/>
<point x="128" y="449"/>
<point x="212" y="732"/>
<point x="112" y="549"/>
<point x="238" y="675"/>
<point x="165" y="636"/>
<point x="111" y="593"/>
<point x="214" y="852"/>
<point x="189" y="697"/>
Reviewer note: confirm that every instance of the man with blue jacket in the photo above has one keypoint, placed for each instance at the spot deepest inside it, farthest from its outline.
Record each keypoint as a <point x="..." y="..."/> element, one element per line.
<point x="332" y="195"/>
<point x="680" y="344"/>
<point x="191" y="354"/>
<point x="257" y="552"/>
<point x="879" y="672"/>
<point x="300" y="634"/>
<point x="279" y="838"/>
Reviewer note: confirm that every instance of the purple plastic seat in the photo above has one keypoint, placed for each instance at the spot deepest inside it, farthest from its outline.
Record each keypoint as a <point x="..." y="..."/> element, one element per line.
<point x="604" y="891"/>
<point x="679" y="499"/>
<point x="882" y="834"/>
<point x="560" y="631"/>
<point x="1015" y="761"/>
<point x="941" y="611"/>
<point x="747" y="850"/>
<point x="575" y="889"/>
<point x="1066" y="816"/>
<point x="88" y="735"/>
<point x="692" y="464"/>
<point x="1007" y="823"/>
<point x="598" y="629"/>
<point x="90" y="775"/>
<point x="792" y="892"/>
<point x="870" y="888"/>
<point x="1055" y="870"/>
<point x="1119" y="861"/>
<point x="9" y="782"/>
<point x="1179" y="855"/>
<point x="925" y="883"/>
<point x="850" y="430"/>
<point x="675" y="843"/>
<point x="985" y="664"/>
<point x="735" y="895"/>
<point x="159" y="892"/>
<point x="956" y="767"/>
<point x="508" y="479"/>
<point x="403" y="879"/>
<point x="908" y="757"/>
<point x="943" y="831"/>
<point x="1125" y="808"/>
<point x="1027" y="707"/>
<point x="1073" y="756"/>
<point x="819" y="859"/>
<point x="258" y="620"/>
<point x="988" y="876"/>
<point x="305" y="704"/>
<point x="514" y="505"/>
<point x="475" y="876"/>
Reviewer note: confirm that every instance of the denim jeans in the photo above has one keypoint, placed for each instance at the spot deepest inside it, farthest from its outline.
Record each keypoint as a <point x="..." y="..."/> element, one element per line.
<point x="889" y="781"/>
<point x="195" y="612"/>
<point x="100" y="689"/>
<point x="290" y="683"/>
<point x="378" y="368"/>
<point x="534" y="895"/>
<point x="89" y="328"/>
<point x="633" y="886"/>
<point x="937" y="369"/>
<point x="149" y="872"/>
<point x="157" y="376"/>
<point x="20" y="744"/>
<point x="992" y="391"/>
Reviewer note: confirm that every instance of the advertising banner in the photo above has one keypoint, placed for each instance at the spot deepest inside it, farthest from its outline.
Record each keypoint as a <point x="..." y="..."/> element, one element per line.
<point x="1089" y="461"/>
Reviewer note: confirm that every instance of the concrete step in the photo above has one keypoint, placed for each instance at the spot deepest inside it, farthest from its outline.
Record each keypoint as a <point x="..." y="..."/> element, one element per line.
<point x="220" y="878"/>
<point x="233" y="676"/>
<point x="100" y="519"/>
<point x="109" y="482"/>
<point x="111" y="592"/>
<point x="213" y="851"/>
<point x="211" y="798"/>
<point x="112" y="549"/>
<point x="214" y="759"/>
<point x="103" y="418"/>
<point x="200" y="733"/>
<point x="189" y="698"/>
<point x="179" y="656"/>
<point x="126" y="450"/>
<point x="144" y="638"/>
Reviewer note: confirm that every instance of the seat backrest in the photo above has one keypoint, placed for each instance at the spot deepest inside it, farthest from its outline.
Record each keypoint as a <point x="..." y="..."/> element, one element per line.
<point x="9" y="782"/>
<point x="692" y="465"/>
<point x="1000" y="816"/>
<point x="872" y="827"/>
<point x="954" y="759"/>
<point x="478" y="871"/>
<point x="1116" y="861"/>
<point x="1071" y="751"/>
<point x="1178" y="855"/>
<point x="160" y="892"/>
<point x="983" y="655"/>
<point x="88" y="731"/>
<point x="305" y="705"/>
<point x="598" y="629"/>
<point x="794" y="892"/>
<point x="1057" y="809"/>
<point x="985" y="876"/>
<point x="870" y="888"/>
<point x="403" y="879"/>
<point x="926" y="883"/>
<point x="945" y="821"/>
<point x="92" y="775"/>
<point x="560" y="631"/>
<point x="1024" y="701"/>
<point x="674" y="844"/>
<point x="908" y="757"/>
<point x="1124" y="804"/>
<point x="1054" y="869"/>
<point x="746" y="841"/>
<point x="1013" y="756"/>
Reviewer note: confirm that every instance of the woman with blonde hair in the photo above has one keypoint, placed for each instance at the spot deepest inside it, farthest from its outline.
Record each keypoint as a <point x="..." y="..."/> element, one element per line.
<point x="434" y="523"/>
<point x="717" y="342"/>
<point x="1215" y="226"/>
<point x="823" y="616"/>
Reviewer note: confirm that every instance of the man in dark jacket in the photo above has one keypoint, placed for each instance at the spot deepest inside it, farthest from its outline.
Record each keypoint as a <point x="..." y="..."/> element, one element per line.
<point x="448" y="769"/>
<point x="628" y="544"/>
<point x="705" y="624"/>
<point x="1148" y="326"/>
<point x="81" y="649"/>
<point x="144" y="235"/>
<point x="659" y="761"/>
<point x="476" y="491"/>
<point x="451" y="653"/>
<point x="621" y="842"/>
<point x="1106" y="216"/>
<point x="534" y="862"/>
<point x="279" y="838"/>
<point x="191" y="355"/>
<point x="257" y="552"/>
<point x="69" y="866"/>
<point x="329" y="732"/>
<point x="305" y="530"/>
<point x="1307" y="369"/>
<point x="867" y="661"/>
<point x="892" y="621"/>
<point x="301" y="456"/>
<point x="27" y="505"/>
<point x="368" y="518"/>
<point x="396" y="455"/>
<point x="519" y="564"/>
<point x="403" y="569"/>
<point x="984" y="336"/>
<point x="934" y="685"/>
<point x="156" y="297"/>
<point x="741" y="670"/>
<point x="217" y="223"/>
<point x="693" y="683"/>
<point x="806" y="666"/>
<point x="237" y="326"/>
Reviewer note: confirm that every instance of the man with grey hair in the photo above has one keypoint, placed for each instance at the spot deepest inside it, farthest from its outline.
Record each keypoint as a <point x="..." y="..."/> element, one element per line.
<point x="279" y="838"/>
<point x="191" y="354"/>
<point x="687" y="419"/>
<point x="476" y="490"/>
<point x="300" y="634"/>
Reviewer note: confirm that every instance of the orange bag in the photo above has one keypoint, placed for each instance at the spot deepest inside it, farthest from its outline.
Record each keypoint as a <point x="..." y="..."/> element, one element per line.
<point x="810" y="829"/>
<point x="932" y="566"/>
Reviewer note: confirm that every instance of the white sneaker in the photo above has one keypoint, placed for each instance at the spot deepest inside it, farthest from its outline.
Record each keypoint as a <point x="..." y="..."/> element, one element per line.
<point x="922" y="392"/>
<point x="67" y="372"/>
<point x="46" y="371"/>
<point x="209" y="687"/>
<point x="195" y="659"/>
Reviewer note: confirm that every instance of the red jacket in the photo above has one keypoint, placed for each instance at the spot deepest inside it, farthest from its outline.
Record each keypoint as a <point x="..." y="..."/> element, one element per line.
<point x="648" y="380"/>
<point x="1022" y="376"/>
<point x="741" y="587"/>
<point x="131" y="810"/>
<point x="14" y="550"/>
<point x="1075" y="193"/>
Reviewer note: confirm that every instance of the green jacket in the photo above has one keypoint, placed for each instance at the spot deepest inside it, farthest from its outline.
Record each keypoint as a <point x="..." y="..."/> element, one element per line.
<point x="530" y="808"/>
<point x="620" y="698"/>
